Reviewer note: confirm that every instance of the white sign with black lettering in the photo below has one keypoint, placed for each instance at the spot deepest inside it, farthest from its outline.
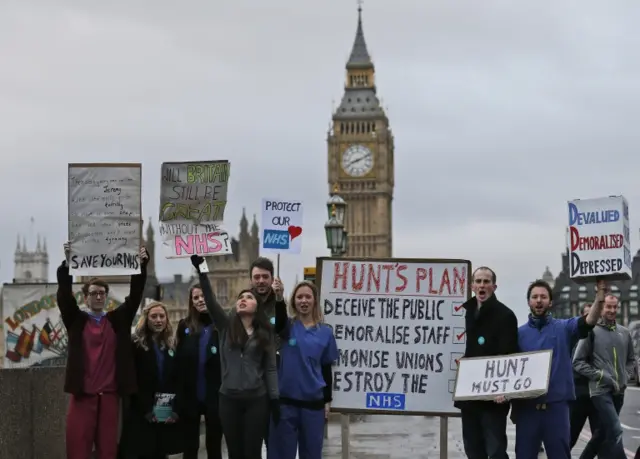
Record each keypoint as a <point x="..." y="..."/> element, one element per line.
<point x="399" y="326"/>
<point x="524" y="375"/>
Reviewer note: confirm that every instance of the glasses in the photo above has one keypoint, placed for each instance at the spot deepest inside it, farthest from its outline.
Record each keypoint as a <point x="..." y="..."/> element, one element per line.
<point x="96" y="294"/>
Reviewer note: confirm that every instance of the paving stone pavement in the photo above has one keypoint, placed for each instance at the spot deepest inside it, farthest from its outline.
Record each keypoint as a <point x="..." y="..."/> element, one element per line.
<point x="402" y="437"/>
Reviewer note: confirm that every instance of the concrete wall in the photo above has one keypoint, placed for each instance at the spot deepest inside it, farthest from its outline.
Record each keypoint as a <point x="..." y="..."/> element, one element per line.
<point x="32" y="413"/>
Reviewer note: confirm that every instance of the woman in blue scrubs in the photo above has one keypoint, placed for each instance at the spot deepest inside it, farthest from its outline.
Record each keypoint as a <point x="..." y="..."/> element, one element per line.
<point x="307" y="352"/>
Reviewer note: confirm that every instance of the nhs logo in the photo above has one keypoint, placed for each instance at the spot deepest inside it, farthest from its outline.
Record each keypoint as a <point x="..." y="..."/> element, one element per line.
<point x="383" y="401"/>
<point x="276" y="239"/>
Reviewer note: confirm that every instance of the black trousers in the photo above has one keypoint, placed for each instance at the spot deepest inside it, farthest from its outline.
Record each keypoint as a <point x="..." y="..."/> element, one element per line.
<point x="213" y="434"/>
<point x="243" y="425"/>
<point x="484" y="433"/>
<point x="580" y="410"/>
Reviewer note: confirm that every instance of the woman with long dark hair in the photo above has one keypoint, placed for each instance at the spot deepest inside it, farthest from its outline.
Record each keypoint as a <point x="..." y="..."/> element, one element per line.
<point x="248" y="368"/>
<point x="151" y="424"/>
<point x="199" y="356"/>
<point x="307" y="354"/>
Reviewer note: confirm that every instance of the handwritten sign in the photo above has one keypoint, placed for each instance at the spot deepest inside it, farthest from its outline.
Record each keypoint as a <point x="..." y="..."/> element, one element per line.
<point x="599" y="238"/>
<point x="282" y="226"/>
<point x="524" y="375"/>
<point x="33" y="332"/>
<point x="399" y="329"/>
<point x="104" y="219"/>
<point x="193" y="197"/>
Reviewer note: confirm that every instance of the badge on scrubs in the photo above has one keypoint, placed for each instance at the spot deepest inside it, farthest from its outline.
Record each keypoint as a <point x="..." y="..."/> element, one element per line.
<point x="480" y="340"/>
<point x="272" y="321"/>
<point x="170" y="352"/>
<point x="292" y="342"/>
<point x="214" y="350"/>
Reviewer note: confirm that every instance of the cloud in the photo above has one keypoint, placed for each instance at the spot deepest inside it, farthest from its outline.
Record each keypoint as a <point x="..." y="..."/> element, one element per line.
<point x="501" y="112"/>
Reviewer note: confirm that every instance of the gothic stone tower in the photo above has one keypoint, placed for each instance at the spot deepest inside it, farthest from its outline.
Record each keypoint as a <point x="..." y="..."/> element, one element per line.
<point x="360" y="157"/>
<point x="31" y="266"/>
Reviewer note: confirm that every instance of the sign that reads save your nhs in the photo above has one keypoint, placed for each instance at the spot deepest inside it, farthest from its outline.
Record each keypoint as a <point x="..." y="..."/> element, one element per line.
<point x="599" y="238"/>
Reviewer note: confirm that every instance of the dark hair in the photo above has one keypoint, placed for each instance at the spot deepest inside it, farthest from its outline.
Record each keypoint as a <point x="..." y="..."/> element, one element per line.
<point x="262" y="263"/>
<point x="97" y="282"/>
<point x="192" y="320"/>
<point x="539" y="283"/>
<point x="485" y="268"/>
<point x="261" y="328"/>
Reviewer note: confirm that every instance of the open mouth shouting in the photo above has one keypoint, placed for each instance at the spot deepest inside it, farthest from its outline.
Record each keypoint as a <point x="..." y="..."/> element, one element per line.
<point x="482" y="294"/>
<point x="538" y="309"/>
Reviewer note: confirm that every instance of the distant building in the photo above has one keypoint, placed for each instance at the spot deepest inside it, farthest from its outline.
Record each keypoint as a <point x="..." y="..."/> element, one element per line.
<point x="31" y="266"/>
<point x="569" y="297"/>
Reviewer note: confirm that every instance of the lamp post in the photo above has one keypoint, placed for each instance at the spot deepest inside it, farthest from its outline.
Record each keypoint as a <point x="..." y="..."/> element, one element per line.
<point x="334" y="228"/>
<point x="337" y="238"/>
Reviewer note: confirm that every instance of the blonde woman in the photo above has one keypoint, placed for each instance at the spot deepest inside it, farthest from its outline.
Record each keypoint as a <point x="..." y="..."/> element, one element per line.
<point x="307" y="353"/>
<point x="151" y="429"/>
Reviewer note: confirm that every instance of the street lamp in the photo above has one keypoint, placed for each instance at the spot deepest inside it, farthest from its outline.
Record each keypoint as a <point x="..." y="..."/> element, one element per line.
<point x="337" y="237"/>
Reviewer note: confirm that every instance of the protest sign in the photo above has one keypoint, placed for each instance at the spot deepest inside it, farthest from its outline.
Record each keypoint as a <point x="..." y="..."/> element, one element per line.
<point x="282" y="226"/>
<point x="399" y="325"/>
<point x="523" y="375"/>
<point x="105" y="226"/>
<point x="193" y="197"/>
<point x="33" y="332"/>
<point x="599" y="238"/>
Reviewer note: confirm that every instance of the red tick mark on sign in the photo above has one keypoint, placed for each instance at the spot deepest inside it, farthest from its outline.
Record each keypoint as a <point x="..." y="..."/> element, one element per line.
<point x="459" y="336"/>
<point x="457" y="308"/>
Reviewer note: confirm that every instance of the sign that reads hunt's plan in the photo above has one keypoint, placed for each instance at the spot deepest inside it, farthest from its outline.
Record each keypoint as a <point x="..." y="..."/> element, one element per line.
<point x="104" y="219"/>
<point x="399" y="325"/>
<point x="524" y="375"/>
<point x="193" y="197"/>
<point x="282" y="226"/>
<point x="599" y="237"/>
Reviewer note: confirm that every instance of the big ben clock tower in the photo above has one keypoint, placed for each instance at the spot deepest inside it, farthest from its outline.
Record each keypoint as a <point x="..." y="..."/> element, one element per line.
<point x="360" y="157"/>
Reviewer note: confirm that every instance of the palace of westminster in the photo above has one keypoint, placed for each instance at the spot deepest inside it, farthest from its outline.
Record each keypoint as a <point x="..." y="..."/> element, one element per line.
<point x="360" y="157"/>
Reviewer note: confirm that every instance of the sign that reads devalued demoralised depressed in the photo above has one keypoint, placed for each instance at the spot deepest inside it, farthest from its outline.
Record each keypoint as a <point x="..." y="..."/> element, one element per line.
<point x="399" y="326"/>
<point x="524" y="375"/>
<point x="599" y="237"/>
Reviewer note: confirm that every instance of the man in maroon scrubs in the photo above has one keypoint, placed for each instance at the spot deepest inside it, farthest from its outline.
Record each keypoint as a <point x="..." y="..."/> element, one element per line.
<point x="100" y="365"/>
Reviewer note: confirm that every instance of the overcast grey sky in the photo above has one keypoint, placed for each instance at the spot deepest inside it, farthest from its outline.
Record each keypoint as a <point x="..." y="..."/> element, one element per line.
<point x="502" y="112"/>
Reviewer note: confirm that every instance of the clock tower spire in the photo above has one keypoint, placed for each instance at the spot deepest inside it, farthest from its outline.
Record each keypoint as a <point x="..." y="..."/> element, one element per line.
<point x="361" y="156"/>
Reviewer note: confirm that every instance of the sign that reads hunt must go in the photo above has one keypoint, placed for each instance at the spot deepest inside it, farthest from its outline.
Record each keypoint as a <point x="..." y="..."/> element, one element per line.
<point x="399" y="326"/>
<point x="599" y="238"/>
<point x="524" y="375"/>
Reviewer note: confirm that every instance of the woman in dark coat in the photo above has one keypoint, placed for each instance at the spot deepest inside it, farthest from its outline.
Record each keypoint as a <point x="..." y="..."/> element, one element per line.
<point x="199" y="356"/>
<point x="151" y="426"/>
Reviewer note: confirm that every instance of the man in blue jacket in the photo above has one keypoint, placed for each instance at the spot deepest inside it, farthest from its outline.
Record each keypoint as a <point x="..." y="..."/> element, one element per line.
<point x="546" y="418"/>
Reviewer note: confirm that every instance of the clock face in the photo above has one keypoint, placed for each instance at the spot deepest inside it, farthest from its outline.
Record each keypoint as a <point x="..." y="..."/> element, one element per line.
<point x="357" y="160"/>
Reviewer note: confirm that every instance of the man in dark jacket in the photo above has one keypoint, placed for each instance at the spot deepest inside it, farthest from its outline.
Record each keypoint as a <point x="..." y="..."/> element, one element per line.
<point x="492" y="329"/>
<point x="270" y="294"/>
<point x="100" y="362"/>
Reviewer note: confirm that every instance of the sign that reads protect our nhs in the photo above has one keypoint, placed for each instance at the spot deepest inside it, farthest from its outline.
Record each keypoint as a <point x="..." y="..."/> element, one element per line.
<point x="599" y="238"/>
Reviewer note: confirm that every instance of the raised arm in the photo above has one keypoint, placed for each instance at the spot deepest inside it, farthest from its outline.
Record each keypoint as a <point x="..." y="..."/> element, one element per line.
<point x="127" y="310"/>
<point x="280" y="307"/>
<point x="219" y="315"/>
<point x="596" y="308"/>
<point x="69" y="310"/>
